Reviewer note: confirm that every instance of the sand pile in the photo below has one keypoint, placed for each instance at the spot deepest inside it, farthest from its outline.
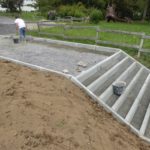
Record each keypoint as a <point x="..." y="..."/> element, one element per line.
<point x="43" y="111"/>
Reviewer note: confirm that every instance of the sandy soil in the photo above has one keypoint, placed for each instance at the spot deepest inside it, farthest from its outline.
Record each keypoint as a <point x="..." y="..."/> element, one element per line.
<point x="42" y="111"/>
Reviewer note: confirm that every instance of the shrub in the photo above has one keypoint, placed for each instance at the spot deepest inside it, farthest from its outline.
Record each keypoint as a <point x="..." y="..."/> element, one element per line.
<point x="96" y="16"/>
<point x="63" y="11"/>
<point x="77" y="10"/>
<point x="137" y="15"/>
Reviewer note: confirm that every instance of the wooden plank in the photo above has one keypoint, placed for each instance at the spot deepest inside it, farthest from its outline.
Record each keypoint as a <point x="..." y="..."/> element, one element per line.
<point x="50" y="25"/>
<point x="79" y="37"/>
<point x="70" y="19"/>
<point x="146" y="37"/>
<point x="64" y="20"/>
<point x="145" y="50"/>
<point x="80" y="27"/>
<point x="52" y="34"/>
<point x="77" y="19"/>
<point x="117" y="44"/>
<point x="141" y="44"/>
<point x="121" y="32"/>
<point x="28" y="22"/>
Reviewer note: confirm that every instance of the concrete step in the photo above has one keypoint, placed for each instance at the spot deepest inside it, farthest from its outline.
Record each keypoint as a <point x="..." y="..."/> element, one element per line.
<point x="103" y="82"/>
<point x="108" y="96"/>
<point x="133" y="106"/>
<point x="132" y="95"/>
<point x="137" y="101"/>
<point x="128" y="79"/>
<point x="142" y="106"/>
<point x="129" y="88"/>
<point x="147" y="130"/>
<point x="145" y="121"/>
<point x="90" y="75"/>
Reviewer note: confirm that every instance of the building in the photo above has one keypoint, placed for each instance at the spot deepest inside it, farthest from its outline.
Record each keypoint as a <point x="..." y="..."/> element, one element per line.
<point x="27" y="6"/>
<point x="2" y="9"/>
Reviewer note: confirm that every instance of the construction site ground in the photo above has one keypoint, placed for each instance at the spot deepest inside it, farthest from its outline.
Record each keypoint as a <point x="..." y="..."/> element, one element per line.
<point x="45" y="111"/>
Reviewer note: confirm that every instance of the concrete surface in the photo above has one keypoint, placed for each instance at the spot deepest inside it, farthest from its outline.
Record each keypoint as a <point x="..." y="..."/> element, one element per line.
<point x="7" y="25"/>
<point x="49" y="56"/>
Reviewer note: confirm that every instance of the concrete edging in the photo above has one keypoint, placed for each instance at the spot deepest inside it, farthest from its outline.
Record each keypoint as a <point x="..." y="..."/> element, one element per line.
<point x="76" y="45"/>
<point x="34" y="66"/>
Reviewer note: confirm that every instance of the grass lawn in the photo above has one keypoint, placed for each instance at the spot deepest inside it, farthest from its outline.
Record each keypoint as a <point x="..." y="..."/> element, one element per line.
<point x="27" y="16"/>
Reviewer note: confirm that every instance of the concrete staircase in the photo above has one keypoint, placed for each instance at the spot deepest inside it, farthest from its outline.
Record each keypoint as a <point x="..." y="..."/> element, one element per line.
<point x="133" y="106"/>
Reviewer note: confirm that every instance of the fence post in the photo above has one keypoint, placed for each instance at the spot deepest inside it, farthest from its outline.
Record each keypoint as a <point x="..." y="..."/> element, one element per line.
<point x="38" y="26"/>
<point x="64" y="27"/>
<point x="97" y="35"/>
<point x="71" y="19"/>
<point x="141" y="44"/>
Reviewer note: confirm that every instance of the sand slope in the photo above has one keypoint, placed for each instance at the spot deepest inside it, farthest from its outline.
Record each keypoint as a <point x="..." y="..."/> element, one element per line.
<point x="43" y="111"/>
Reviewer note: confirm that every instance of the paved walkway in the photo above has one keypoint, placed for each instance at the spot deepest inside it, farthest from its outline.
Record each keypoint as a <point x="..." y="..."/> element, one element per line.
<point x="49" y="56"/>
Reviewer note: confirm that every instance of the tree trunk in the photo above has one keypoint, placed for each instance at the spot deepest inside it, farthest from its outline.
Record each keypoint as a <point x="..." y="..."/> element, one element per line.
<point x="145" y="10"/>
<point x="20" y="10"/>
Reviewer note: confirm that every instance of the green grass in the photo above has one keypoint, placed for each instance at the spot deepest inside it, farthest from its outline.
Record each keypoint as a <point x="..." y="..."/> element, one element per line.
<point x="120" y="38"/>
<point x="58" y="29"/>
<point x="133" y="27"/>
<point x="27" y="16"/>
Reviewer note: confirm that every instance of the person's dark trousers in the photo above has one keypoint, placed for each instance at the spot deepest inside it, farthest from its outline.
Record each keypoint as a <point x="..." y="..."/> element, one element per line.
<point x="22" y="32"/>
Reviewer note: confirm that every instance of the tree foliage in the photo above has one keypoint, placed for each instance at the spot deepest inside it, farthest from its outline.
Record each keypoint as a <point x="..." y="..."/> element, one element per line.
<point x="12" y="5"/>
<point x="134" y="9"/>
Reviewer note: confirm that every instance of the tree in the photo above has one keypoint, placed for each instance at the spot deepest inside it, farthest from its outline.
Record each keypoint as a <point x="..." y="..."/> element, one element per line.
<point x="12" y="5"/>
<point x="145" y="9"/>
<point x="134" y="9"/>
<point x="47" y="5"/>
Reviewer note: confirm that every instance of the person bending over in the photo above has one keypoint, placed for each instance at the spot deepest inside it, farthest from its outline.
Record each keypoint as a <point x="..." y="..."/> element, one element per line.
<point x="20" y="27"/>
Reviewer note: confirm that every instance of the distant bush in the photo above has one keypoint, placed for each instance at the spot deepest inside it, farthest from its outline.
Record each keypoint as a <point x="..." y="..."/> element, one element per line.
<point x="76" y="10"/>
<point x="137" y="16"/>
<point x="95" y="16"/>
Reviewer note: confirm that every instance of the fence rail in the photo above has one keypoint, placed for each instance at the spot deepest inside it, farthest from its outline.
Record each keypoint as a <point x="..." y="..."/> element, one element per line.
<point x="117" y="44"/>
<point x="97" y="37"/>
<point x="121" y="32"/>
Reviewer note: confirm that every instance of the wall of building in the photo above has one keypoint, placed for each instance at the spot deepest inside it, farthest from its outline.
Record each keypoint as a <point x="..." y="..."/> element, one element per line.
<point x="26" y="6"/>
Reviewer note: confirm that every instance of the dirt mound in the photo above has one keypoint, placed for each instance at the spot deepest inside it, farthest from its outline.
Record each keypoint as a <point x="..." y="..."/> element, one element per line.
<point x="43" y="111"/>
